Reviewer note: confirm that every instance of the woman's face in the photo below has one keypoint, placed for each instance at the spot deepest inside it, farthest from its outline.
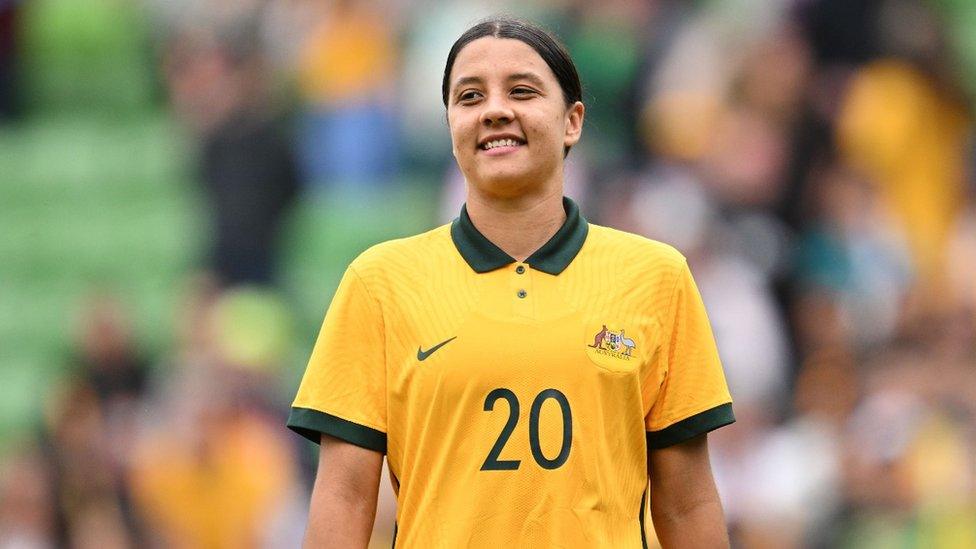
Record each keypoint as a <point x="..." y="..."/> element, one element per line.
<point x="508" y="118"/>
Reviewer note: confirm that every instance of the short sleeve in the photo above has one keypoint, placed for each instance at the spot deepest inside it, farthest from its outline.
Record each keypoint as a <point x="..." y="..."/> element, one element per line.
<point x="343" y="391"/>
<point x="693" y="398"/>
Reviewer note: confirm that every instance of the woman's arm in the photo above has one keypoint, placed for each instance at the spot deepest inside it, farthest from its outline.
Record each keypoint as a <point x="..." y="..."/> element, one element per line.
<point x="684" y="502"/>
<point x="344" y="497"/>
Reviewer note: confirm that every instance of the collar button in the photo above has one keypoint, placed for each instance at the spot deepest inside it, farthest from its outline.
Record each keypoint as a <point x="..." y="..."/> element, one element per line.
<point x="520" y="269"/>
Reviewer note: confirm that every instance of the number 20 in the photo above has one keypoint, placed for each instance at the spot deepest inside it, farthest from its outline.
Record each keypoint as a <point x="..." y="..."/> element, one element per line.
<point x="492" y="463"/>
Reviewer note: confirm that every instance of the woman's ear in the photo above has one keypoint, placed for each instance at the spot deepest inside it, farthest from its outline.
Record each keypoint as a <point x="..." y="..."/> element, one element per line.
<point x="574" y="123"/>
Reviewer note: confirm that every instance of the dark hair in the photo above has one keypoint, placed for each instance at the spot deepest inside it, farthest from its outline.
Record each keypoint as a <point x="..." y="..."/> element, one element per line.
<point x="544" y="43"/>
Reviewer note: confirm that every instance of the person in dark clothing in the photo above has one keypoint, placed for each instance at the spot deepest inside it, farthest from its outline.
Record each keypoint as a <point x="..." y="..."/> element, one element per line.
<point x="246" y="163"/>
<point x="249" y="175"/>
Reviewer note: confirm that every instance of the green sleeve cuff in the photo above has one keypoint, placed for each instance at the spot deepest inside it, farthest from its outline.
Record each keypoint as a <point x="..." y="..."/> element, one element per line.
<point x="691" y="427"/>
<point x="312" y="423"/>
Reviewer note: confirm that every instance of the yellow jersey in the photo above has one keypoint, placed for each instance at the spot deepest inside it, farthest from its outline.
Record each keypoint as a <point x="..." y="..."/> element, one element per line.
<point x="516" y="401"/>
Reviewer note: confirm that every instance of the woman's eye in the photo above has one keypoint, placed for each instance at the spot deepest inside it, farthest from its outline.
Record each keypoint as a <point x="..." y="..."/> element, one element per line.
<point x="522" y="91"/>
<point x="468" y="96"/>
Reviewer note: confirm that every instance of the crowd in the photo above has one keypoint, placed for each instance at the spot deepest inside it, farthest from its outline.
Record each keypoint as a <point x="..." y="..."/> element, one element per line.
<point x="813" y="159"/>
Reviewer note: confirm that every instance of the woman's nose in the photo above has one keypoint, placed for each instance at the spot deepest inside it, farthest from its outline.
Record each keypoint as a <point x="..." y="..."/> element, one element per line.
<point x="496" y="112"/>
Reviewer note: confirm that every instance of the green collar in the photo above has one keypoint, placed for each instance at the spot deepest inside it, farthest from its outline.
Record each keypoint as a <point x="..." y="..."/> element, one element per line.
<point x="552" y="258"/>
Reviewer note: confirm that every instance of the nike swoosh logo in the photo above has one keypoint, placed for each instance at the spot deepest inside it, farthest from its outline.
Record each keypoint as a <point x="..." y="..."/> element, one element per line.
<point x="422" y="354"/>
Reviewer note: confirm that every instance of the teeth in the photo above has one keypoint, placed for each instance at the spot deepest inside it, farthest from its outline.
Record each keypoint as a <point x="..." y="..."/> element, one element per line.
<point x="500" y="143"/>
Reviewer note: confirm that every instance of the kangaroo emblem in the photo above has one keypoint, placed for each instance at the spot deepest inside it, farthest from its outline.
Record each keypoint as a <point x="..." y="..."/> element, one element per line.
<point x="598" y="340"/>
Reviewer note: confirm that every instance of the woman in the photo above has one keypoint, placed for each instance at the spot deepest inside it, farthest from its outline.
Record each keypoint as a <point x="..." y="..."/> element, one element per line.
<point x="558" y="366"/>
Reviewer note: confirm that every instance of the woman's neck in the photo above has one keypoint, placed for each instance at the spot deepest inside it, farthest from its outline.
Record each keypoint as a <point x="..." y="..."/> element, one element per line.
<point x="518" y="226"/>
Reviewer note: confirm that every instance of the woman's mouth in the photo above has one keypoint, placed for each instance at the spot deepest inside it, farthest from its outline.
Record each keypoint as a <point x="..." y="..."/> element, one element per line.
<point x="496" y="147"/>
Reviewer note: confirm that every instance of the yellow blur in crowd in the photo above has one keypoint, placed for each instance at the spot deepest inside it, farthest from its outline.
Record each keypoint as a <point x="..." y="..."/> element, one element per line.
<point x="218" y="489"/>
<point x="910" y="139"/>
<point x="348" y="55"/>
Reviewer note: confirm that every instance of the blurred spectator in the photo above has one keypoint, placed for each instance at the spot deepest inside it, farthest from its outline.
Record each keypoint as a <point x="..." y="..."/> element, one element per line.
<point x="671" y="205"/>
<point x="349" y="130"/>
<point x="86" y="460"/>
<point x="90" y="425"/>
<point x="907" y="479"/>
<point x="107" y="356"/>
<point x="852" y="254"/>
<point x="218" y="84"/>
<point x="910" y="139"/>
<point x="608" y="41"/>
<point x="905" y="124"/>
<point x="220" y="485"/>
<point x="213" y="468"/>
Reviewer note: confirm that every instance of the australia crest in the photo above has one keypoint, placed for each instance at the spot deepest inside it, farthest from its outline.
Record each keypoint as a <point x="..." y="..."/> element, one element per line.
<point x="613" y="343"/>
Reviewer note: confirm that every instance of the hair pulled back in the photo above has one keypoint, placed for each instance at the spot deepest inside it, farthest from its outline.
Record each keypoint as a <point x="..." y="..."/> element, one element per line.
<point x="549" y="48"/>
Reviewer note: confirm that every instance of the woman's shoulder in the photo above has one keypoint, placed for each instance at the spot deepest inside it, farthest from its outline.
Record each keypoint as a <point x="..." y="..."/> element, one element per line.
<point x="405" y="254"/>
<point x="632" y="248"/>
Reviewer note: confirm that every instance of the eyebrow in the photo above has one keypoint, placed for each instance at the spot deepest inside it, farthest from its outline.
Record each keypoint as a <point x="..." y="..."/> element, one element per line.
<point x="530" y="76"/>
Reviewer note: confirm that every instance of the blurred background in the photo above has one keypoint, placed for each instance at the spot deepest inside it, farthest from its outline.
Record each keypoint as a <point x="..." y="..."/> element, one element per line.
<point x="183" y="182"/>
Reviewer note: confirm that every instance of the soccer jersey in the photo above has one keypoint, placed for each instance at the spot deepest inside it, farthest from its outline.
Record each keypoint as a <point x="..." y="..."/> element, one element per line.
<point x="516" y="401"/>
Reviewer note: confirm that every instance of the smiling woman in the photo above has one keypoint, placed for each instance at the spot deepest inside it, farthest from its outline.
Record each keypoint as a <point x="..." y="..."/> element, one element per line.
<point x="512" y="423"/>
<point x="546" y="47"/>
<point x="511" y="125"/>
